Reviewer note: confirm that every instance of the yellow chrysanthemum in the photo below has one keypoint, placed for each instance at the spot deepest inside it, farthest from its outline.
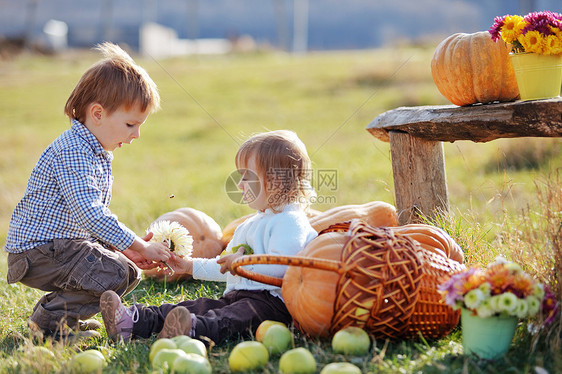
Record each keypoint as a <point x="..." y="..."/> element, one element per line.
<point x="533" y="42"/>
<point x="511" y="29"/>
<point x="553" y="45"/>
<point x="175" y="235"/>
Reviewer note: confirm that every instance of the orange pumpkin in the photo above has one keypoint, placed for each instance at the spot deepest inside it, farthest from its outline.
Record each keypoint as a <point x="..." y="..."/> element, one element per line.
<point x="206" y="233"/>
<point x="374" y="213"/>
<point x="433" y="239"/>
<point x="472" y="68"/>
<point x="309" y="293"/>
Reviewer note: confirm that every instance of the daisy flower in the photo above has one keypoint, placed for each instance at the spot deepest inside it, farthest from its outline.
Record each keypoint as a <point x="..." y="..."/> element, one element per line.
<point x="175" y="235"/>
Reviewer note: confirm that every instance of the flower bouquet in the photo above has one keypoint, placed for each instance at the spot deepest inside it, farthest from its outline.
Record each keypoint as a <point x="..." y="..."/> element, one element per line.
<point x="536" y="41"/>
<point x="492" y="300"/>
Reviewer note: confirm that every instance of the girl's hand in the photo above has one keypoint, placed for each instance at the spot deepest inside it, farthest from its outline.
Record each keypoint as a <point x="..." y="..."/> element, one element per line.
<point x="226" y="261"/>
<point x="179" y="265"/>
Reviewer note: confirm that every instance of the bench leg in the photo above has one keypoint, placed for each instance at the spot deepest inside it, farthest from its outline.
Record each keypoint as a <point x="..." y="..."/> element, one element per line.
<point x="420" y="182"/>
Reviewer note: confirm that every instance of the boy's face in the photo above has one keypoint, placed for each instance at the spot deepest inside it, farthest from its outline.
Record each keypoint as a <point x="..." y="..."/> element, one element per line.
<point x="114" y="129"/>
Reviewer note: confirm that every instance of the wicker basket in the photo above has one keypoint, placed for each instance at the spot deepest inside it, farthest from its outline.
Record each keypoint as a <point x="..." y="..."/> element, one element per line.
<point x="387" y="283"/>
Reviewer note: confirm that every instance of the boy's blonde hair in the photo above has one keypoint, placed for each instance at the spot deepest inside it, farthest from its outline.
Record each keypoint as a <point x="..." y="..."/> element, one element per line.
<point x="113" y="82"/>
<point x="283" y="162"/>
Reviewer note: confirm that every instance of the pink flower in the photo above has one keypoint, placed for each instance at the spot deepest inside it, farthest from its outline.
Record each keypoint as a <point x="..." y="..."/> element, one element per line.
<point x="495" y="29"/>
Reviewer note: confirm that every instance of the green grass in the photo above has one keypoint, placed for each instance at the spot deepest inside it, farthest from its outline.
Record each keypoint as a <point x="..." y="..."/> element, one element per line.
<point x="210" y="105"/>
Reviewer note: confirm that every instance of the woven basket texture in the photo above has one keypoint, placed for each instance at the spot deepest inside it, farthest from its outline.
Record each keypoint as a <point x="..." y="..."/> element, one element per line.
<point x="387" y="283"/>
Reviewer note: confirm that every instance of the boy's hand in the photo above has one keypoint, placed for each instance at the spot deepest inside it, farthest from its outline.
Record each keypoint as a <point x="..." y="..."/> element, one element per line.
<point x="139" y="260"/>
<point x="226" y="261"/>
<point x="151" y="251"/>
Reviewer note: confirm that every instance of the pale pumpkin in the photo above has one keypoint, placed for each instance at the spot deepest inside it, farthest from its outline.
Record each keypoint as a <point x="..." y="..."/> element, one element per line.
<point x="472" y="68"/>
<point x="374" y="213"/>
<point x="310" y="293"/>
<point x="206" y="234"/>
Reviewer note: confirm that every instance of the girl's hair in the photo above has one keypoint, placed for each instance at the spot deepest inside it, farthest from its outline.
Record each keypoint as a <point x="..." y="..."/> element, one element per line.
<point x="114" y="81"/>
<point x="282" y="161"/>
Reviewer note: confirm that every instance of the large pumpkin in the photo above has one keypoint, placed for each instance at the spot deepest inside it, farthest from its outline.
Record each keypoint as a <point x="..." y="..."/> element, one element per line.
<point x="309" y="293"/>
<point x="206" y="233"/>
<point x="433" y="239"/>
<point x="472" y="68"/>
<point x="374" y="213"/>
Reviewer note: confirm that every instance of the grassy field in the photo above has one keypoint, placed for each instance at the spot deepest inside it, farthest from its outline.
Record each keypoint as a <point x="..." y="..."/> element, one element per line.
<point x="506" y="195"/>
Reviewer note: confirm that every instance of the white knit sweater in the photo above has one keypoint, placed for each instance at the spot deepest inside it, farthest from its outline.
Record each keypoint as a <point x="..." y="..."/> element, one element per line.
<point x="284" y="233"/>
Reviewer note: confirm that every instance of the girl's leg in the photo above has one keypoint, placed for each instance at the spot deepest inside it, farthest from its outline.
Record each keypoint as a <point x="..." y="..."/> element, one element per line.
<point x="241" y="313"/>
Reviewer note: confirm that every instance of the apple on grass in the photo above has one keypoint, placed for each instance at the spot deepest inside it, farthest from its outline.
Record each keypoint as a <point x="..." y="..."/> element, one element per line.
<point x="159" y="344"/>
<point x="264" y="326"/>
<point x="165" y="357"/>
<point x="297" y="361"/>
<point x="351" y="341"/>
<point x="246" y="356"/>
<point x="277" y="339"/>
<point x="340" y="368"/>
<point x="190" y="345"/>
<point x="89" y="361"/>
<point x="191" y="363"/>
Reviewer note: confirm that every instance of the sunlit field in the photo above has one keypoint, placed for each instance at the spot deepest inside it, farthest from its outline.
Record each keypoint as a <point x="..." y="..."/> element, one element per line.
<point x="505" y="195"/>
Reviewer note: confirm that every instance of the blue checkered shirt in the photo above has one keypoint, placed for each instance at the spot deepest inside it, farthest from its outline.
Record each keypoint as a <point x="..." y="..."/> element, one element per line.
<point x="67" y="196"/>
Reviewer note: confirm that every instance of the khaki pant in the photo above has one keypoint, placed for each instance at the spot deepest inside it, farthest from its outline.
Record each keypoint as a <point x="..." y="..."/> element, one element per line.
<point x="75" y="273"/>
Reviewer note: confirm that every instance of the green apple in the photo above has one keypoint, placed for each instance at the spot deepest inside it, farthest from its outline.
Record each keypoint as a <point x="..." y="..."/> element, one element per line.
<point x="161" y="344"/>
<point x="264" y="326"/>
<point x="351" y="341"/>
<point x="246" y="356"/>
<point x="193" y="346"/>
<point x="180" y="339"/>
<point x="340" y="368"/>
<point x="191" y="363"/>
<point x="277" y="339"/>
<point x="89" y="361"/>
<point x="165" y="357"/>
<point x="297" y="361"/>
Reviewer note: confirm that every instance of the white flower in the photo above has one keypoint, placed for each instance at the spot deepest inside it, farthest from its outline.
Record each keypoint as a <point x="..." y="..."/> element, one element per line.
<point x="538" y="291"/>
<point x="495" y="303"/>
<point x="175" y="235"/>
<point x="473" y="298"/>
<point x="507" y="302"/>
<point x="485" y="288"/>
<point x="485" y="310"/>
<point x="534" y="305"/>
<point x="522" y="308"/>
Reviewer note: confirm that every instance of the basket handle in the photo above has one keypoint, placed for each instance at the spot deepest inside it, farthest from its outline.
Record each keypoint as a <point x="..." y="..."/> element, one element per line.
<point x="302" y="261"/>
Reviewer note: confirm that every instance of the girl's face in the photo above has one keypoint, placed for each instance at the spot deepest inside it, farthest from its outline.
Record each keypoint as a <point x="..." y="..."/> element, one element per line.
<point x="253" y="186"/>
<point x="114" y="129"/>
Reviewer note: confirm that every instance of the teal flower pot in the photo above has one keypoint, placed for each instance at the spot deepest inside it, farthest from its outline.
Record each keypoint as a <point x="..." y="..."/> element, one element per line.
<point x="488" y="338"/>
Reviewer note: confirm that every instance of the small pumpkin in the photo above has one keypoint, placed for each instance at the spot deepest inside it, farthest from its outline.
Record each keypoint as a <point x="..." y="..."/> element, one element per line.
<point x="374" y="213"/>
<point x="472" y="68"/>
<point x="206" y="233"/>
<point x="310" y="293"/>
<point x="433" y="239"/>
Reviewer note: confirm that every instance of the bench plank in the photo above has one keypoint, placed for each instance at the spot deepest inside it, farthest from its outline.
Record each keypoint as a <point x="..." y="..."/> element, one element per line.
<point x="479" y="123"/>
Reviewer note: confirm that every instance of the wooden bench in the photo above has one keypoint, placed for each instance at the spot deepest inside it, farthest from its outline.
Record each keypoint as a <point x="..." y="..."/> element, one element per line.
<point x="416" y="135"/>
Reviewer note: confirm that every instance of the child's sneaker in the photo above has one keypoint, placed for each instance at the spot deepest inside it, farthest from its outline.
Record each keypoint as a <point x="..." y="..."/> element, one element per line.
<point x="118" y="320"/>
<point x="177" y="322"/>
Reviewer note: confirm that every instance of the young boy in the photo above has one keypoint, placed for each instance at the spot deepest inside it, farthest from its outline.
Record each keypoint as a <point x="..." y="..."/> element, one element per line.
<point x="62" y="237"/>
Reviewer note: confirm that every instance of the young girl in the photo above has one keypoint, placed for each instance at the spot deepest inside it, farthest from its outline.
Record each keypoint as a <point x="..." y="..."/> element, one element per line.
<point x="275" y="170"/>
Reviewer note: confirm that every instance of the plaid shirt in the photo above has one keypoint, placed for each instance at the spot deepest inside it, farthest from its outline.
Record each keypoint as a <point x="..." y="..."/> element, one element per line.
<point x="67" y="196"/>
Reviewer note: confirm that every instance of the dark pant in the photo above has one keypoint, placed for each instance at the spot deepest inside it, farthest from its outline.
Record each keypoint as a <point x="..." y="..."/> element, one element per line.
<point x="235" y="314"/>
<point x="75" y="273"/>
